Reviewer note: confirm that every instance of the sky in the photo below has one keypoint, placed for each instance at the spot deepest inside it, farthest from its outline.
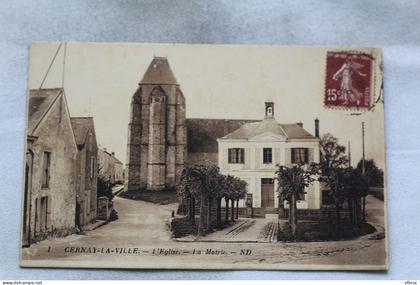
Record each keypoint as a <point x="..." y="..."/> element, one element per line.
<point x="218" y="81"/>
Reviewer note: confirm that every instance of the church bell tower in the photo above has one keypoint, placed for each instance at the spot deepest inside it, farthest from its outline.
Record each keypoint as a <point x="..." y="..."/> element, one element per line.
<point x="156" y="147"/>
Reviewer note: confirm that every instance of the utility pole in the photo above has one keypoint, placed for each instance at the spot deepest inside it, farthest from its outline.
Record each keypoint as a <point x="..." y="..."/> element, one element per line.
<point x="349" y="153"/>
<point x="363" y="148"/>
<point x="363" y="169"/>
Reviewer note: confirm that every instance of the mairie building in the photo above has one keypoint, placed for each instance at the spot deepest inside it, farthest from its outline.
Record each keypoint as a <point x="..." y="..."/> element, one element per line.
<point x="162" y="141"/>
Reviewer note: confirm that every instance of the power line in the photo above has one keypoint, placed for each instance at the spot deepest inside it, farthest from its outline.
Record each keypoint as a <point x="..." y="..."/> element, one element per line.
<point x="49" y="67"/>
<point x="64" y="65"/>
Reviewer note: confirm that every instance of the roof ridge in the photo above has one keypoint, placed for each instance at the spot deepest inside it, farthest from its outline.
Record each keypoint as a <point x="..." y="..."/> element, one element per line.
<point x="47" y="109"/>
<point x="284" y="132"/>
<point x="223" y="119"/>
<point x="42" y="89"/>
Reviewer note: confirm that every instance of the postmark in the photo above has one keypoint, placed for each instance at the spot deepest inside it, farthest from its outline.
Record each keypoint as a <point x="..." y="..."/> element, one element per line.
<point x="348" y="80"/>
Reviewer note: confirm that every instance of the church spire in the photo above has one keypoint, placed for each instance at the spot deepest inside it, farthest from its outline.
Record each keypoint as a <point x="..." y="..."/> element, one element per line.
<point x="159" y="72"/>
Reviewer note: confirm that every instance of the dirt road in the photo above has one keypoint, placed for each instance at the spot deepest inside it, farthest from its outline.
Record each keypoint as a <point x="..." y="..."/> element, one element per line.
<point x="141" y="238"/>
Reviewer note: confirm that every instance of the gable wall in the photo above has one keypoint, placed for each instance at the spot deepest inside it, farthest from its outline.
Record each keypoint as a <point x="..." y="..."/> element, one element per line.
<point x="56" y="136"/>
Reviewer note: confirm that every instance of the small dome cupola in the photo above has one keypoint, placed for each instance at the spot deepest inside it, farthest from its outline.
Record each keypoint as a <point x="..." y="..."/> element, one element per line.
<point x="269" y="109"/>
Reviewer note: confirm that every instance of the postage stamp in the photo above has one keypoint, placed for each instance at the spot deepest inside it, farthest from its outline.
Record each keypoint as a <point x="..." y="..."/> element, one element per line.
<point x="348" y="81"/>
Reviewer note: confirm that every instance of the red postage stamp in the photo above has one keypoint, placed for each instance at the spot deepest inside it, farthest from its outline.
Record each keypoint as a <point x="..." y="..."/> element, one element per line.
<point x="348" y="82"/>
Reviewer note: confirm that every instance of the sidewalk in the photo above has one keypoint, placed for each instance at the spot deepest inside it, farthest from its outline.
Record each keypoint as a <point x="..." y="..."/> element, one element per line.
<point x="244" y="230"/>
<point x="95" y="225"/>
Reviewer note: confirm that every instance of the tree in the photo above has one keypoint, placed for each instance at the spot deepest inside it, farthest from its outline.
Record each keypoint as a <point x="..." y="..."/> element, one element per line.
<point x="104" y="188"/>
<point x="185" y="186"/>
<point x="291" y="186"/>
<point x="356" y="187"/>
<point x="201" y="182"/>
<point x="374" y="175"/>
<point x="336" y="181"/>
<point x="219" y="196"/>
<point x="213" y="189"/>
<point x="239" y="193"/>
<point x="333" y="161"/>
<point x="332" y="154"/>
<point x="229" y="187"/>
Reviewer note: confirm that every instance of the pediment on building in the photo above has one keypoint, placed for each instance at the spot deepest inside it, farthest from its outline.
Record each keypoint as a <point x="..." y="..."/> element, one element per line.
<point x="268" y="137"/>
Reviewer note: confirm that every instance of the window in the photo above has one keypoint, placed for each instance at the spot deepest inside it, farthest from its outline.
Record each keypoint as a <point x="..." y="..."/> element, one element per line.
<point x="236" y="155"/>
<point x="46" y="170"/>
<point x="267" y="155"/>
<point x="267" y="181"/>
<point x="300" y="155"/>
<point x="92" y="167"/>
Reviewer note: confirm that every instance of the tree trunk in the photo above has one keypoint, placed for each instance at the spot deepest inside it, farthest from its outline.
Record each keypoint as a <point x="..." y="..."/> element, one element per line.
<point x="337" y="213"/>
<point x="281" y="208"/>
<point x="358" y="211"/>
<point x="293" y="215"/>
<point x="202" y="219"/>
<point x="192" y="210"/>
<point x="232" y="216"/>
<point x="351" y="211"/>
<point x="219" y="212"/>
<point x="364" y="209"/>
<point x="209" y="214"/>
<point x="237" y="209"/>
<point x="226" y="210"/>
<point x="189" y="208"/>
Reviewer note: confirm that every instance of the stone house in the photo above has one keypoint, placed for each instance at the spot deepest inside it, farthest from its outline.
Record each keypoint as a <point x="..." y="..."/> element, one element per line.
<point x="111" y="169"/>
<point x="86" y="169"/>
<point x="50" y="173"/>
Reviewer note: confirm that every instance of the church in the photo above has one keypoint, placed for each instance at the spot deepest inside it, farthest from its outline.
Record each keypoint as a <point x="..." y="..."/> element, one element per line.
<point x="162" y="141"/>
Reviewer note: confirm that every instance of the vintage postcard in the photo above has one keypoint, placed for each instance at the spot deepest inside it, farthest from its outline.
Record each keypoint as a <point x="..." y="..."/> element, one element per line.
<point x="176" y="156"/>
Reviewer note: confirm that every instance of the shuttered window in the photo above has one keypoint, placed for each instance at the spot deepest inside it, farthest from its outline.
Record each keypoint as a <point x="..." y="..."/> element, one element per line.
<point x="267" y="155"/>
<point x="236" y="155"/>
<point x="300" y="155"/>
<point x="46" y="170"/>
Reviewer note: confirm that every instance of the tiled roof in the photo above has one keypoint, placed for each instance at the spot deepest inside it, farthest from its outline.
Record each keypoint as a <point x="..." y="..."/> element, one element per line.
<point x="40" y="101"/>
<point x="159" y="72"/>
<point x="202" y="134"/>
<point x="290" y="131"/>
<point x="116" y="160"/>
<point x="81" y="127"/>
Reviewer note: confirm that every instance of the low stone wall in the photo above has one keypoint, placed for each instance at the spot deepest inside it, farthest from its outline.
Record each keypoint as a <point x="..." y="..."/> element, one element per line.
<point x="53" y="233"/>
<point x="321" y="214"/>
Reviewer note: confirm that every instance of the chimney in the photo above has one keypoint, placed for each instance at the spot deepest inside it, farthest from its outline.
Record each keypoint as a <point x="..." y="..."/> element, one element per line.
<point x="317" y="127"/>
<point x="300" y="124"/>
<point x="113" y="153"/>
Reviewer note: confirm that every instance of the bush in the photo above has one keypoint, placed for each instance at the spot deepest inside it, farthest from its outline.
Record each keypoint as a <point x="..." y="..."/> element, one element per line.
<point x="309" y="231"/>
<point x="104" y="188"/>
<point x="163" y="197"/>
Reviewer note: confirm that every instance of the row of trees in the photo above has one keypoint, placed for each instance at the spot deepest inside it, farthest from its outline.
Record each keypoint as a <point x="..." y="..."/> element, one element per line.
<point x="207" y="186"/>
<point x="346" y="184"/>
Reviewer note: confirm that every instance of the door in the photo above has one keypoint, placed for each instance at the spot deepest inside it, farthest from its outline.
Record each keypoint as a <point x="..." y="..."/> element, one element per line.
<point x="26" y="223"/>
<point x="267" y="193"/>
